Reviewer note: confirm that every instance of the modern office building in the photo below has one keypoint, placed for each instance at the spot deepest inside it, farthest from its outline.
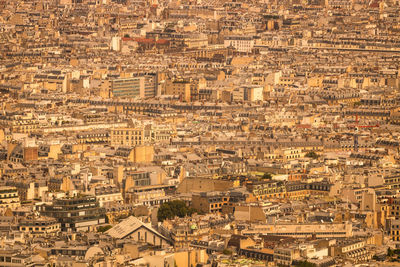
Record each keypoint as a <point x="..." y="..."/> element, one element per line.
<point x="128" y="87"/>
<point x="39" y="226"/>
<point x="143" y="85"/>
<point x="80" y="213"/>
<point x="138" y="178"/>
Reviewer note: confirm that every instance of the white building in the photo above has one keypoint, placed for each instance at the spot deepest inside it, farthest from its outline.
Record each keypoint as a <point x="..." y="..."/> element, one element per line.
<point x="106" y="195"/>
<point x="240" y="43"/>
<point x="116" y="43"/>
<point x="253" y="93"/>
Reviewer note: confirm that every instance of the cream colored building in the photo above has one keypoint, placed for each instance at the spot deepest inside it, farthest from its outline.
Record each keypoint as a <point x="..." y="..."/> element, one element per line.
<point x="141" y="135"/>
<point x="40" y="226"/>
<point x="106" y="195"/>
<point x="321" y="230"/>
<point x="179" y="88"/>
<point x="9" y="198"/>
<point x="127" y="136"/>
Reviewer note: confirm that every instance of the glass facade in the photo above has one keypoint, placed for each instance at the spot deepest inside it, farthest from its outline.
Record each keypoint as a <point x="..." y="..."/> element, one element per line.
<point x="74" y="213"/>
<point x="126" y="87"/>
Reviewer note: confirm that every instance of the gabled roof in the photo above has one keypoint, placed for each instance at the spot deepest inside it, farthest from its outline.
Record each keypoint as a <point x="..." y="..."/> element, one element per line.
<point x="129" y="226"/>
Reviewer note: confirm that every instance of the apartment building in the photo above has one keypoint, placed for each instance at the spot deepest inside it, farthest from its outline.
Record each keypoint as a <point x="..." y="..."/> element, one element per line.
<point x="9" y="198"/>
<point x="179" y="87"/>
<point x="240" y="43"/>
<point x="303" y="230"/>
<point x="267" y="189"/>
<point x="210" y="202"/>
<point x="127" y="136"/>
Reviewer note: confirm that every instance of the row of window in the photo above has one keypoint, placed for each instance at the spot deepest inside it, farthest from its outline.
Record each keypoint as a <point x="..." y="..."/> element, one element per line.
<point x="217" y="205"/>
<point x="8" y="195"/>
<point x="39" y="228"/>
<point x="121" y="132"/>
<point x="312" y="233"/>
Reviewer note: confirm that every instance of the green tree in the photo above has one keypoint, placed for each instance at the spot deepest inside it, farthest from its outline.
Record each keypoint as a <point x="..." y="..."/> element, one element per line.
<point x="104" y="228"/>
<point x="312" y="154"/>
<point x="390" y="252"/>
<point x="174" y="208"/>
<point x="227" y="252"/>
<point x="267" y="176"/>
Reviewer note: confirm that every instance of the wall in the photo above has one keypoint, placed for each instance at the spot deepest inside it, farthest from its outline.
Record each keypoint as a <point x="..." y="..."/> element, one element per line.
<point x="203" y="185"/>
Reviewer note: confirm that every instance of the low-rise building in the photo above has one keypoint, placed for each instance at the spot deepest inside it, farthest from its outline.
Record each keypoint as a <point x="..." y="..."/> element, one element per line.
<point x="79" y="213"/>
<point x="39" y="226"/>
<point x="9" y="198"/>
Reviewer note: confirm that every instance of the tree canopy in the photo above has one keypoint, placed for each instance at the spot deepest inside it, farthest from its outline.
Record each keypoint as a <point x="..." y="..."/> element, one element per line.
<point x="312" y="154"/>
<point x="104" y="228"/>
<point x="267" y="176"/>
<point x="174" y="208"/>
